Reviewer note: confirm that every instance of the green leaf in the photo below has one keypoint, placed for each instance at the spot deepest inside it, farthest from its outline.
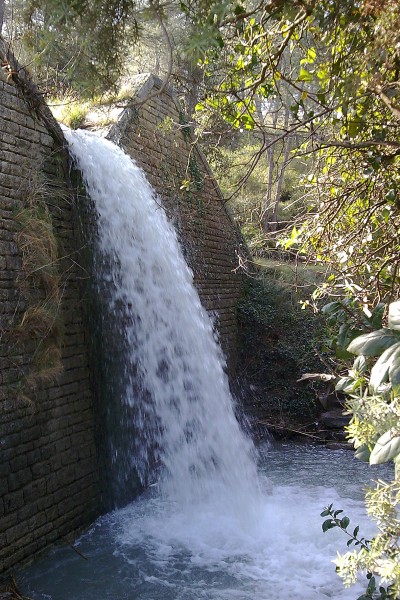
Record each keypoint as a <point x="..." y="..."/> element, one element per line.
<point x="394" y="374"/>
<point x="386" y="448"/>
<point x="344" y="522"/>
<point x="371" y="586"/>
<point x="372" y="344"/>
<point x="394" y="316"/>
<point x="360" y="365"/>
<point x="363" y="453"/>
<point x="331" y="308"/>
<point x="239" y="9"/>
<point x="380" y="371"/>
<point x="354" y="128"/>
<point x="377" y="315"/>
<point x="346" y="385"/>
<point x="328" y="524"/>
<point x="336" y="69"/>
<point x="311" y="54"/>
<point x="344" y="335"/>
<point x="391" y="195"/>
<point x="305" y="75"/>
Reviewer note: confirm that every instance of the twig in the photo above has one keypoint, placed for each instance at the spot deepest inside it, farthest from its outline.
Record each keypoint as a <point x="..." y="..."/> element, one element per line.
<point x="75" y="549"/>
<point x="289" y="429"/>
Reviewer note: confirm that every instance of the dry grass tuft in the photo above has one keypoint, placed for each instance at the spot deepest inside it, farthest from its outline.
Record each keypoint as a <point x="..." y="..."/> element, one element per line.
<point x="49" y="367"/>
<point x="39" y="282"/>
<point x="39" y="321"/>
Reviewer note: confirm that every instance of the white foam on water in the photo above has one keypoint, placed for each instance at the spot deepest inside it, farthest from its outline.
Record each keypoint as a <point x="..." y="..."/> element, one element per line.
<point x="154" y="549"/>
<point x="285" y="556"/>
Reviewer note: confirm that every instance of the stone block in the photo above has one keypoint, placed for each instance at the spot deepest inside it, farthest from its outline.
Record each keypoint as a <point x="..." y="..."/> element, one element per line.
<point x="41" y="469"/>
<point x="3" y="486"/>
<point x="19" y="479"/>
<point x="20" y="462"/>
<point x="17" y="532"/>
<point x="27" y="511"/>
<point x="35" y="490"/>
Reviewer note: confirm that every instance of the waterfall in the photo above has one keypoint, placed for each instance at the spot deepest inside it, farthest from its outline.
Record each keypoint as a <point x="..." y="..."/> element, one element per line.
<point x="205" y="531"/>
<point x="174" y="369"/>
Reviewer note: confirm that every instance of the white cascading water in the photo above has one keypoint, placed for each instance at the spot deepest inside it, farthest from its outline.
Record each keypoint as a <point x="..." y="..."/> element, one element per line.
<point x="199" y="442"/>
<point x="207" y="531"/>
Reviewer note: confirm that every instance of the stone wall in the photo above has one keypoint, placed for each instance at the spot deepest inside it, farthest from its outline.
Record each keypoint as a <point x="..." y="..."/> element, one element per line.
<point x="48" y="465"/>
<point x="152" y="129"/>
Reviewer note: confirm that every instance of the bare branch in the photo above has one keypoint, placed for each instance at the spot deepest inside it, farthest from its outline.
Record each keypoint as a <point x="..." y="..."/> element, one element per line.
<point x="358" y="145"/>
<point x="168" y="40"/>
<point x="379" y="90"/>
<point x="265" y="146"/>
<point x="243" y="15"/>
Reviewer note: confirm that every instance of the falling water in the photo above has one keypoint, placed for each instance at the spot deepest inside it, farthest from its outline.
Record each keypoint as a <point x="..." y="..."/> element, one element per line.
<point x="212" y="529"/>
<point x="186" y="411"/>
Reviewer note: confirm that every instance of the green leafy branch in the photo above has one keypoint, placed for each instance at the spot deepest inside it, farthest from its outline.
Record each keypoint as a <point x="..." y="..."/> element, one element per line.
<point x="343" y="523"/>
<point x="374" y="427"/>
<point x="370" y="592"/>
<point x="373" y="390"/>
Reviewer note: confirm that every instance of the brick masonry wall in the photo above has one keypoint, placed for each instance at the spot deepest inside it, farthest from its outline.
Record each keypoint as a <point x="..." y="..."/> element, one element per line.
<point x="154" y="134"/>
<point x="49" y="467"/>
<point x="48" y="463"/>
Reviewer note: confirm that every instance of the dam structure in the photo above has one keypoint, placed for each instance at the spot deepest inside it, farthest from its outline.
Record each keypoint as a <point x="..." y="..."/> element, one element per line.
<point x="54" y="465"/>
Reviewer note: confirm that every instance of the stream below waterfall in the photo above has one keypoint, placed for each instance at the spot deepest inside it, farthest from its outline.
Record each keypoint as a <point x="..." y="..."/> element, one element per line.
<point x="152" y="550"/>
<point x="222" y="521"/>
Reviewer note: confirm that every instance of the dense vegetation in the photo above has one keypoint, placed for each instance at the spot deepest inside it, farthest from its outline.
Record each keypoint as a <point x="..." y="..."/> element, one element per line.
<point x="278" y="342"/>
<point x="300" y="103"/>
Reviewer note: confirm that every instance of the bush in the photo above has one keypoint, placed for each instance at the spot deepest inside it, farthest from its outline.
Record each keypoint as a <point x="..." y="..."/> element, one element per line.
<point x="278" y="344"/>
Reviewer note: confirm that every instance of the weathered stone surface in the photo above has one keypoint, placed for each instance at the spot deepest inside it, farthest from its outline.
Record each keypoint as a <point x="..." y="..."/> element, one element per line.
<point x="39" y="464"/>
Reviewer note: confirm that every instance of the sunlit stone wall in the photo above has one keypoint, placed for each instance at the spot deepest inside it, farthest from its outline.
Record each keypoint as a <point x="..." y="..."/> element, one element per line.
<point x="157" y="136"/>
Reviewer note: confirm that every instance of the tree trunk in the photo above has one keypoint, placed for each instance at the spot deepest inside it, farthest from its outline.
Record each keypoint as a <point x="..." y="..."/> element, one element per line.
<point x="287" y="143"/>
<point x="265" y="217"/>
<point x="192" y="95"/>
<point x="257" y="102"/>
<point x="268" y="197"/>
<point x="1" y="15"/>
